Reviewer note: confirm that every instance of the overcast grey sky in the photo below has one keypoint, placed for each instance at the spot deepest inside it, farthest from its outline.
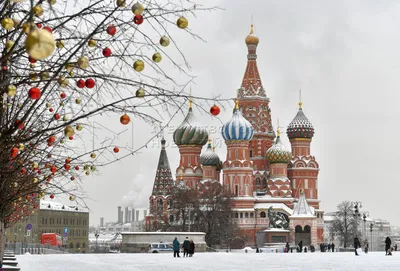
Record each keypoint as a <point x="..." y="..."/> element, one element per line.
<point x="344" y="56"/>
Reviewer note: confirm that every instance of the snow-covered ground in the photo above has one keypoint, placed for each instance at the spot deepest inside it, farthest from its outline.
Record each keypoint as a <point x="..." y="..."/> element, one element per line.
<point x="210" y="261"/>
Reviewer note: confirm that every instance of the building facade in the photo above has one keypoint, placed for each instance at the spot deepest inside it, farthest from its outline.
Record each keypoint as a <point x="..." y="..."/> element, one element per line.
<point x="263" y="176"/>
<point x="69" y="222"/>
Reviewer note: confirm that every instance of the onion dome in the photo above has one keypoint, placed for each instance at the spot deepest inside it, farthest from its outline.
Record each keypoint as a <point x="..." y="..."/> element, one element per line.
<point x="252" y="38"/>
<point x="189" y="132"/>
<point x="300" y="127"/>
<point x="278" y="153"/>
<point x="209" y="157"/>
<point x="237" y="128"/>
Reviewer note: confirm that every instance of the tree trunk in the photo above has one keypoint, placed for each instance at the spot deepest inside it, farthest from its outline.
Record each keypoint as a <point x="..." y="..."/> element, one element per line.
<point x="2" y="242"/>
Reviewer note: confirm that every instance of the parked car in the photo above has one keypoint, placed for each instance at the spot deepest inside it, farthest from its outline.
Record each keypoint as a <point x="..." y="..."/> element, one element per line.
<point x="160" y="248"/>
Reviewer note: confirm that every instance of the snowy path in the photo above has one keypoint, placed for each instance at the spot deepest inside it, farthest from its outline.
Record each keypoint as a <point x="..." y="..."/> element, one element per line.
<point x="210" y="261"/>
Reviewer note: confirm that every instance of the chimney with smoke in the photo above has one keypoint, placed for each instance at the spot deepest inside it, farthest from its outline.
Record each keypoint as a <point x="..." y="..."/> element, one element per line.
<point x="137" y="215"/>
<point x="126" y="215"/>
<point x="133" y="215"/>
<point x="119" y="215"/>
<point x="101" y="222"/>
<point x="129" y="216"/>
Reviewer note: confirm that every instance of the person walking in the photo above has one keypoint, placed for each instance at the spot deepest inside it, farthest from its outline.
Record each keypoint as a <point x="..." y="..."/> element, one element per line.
<point x="366" y="246"/>
<point x="176" y="246"/>
<point x="186" y="245"/>
<point x="388" y="244"/>
<point x="191" y="248"/>
<point x="357" y="244"/>
<point x="333" y="247"/>
<point x="287" y="247"/>
<point x="301" y="246"/>
<point x="395" y="247"/>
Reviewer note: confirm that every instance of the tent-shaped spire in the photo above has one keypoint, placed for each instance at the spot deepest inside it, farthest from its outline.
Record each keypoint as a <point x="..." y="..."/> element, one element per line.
<point x="163" y="181"/>
<point x="302" y="208"/>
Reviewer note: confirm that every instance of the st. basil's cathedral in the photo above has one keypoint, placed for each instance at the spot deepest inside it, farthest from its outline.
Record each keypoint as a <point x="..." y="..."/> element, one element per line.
<point x="264" y="177"/>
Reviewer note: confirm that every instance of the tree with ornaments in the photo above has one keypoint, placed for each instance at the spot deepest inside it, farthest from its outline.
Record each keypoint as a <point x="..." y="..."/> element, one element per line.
<point x="64" y="62"/>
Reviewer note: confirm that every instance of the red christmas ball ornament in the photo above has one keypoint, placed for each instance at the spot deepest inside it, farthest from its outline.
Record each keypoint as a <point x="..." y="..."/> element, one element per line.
<point x="116" y="150"/>
<point x="51" y="110"/>
<point x="48" y="29"/>
<point x="106" y="52"/>
<point x="125" y="119"/>
<point x="19" y="124"/>
<point x="67" y="167"/>
<point x="63" y="95"/>
<point x="34" y="93"/>
<point x="52" y="196"/>
<point x="111" y="30"/>
<point x="72" y="178"/>
<point x="71" y="138"/>
<point x="51" y="139"/>
<point x="89" y="83"/>
<point x="14" y="152"/>
<point x="214" y="110"/>
<point x="23" y="171"/>
<point x="138" y="19"/>
<point x="56" y="116"/>
<point x="53" y="169"/>
<point x="31" y="59"/>
<point x="76" y="167"/>
<point x="39" y="25"/>
<point x="80" y="83"/>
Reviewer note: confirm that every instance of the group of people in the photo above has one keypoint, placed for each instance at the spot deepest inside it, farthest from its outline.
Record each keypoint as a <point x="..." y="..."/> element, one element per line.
<point x="187" y="245"/>
<point x="388" y="246"/>
<point x="324" y="247"/>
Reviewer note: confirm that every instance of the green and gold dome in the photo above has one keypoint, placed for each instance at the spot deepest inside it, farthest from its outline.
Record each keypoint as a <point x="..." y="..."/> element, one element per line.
<point x="190" y="132"/>
<point x="278" y="153"/>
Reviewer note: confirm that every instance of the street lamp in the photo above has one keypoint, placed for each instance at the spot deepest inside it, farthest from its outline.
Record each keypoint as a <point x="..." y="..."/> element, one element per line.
<point x="357" y="214"/>
<point x="364" y="216"/>
<point x="189" y="208"/>
<point x="371" y="226"/>
<point x="97" y="236"/>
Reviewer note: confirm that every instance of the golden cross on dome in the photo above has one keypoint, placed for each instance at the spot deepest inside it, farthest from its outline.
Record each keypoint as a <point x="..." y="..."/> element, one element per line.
<point x="237" y="104"/>
<point x="190" y="98"/>
<point x="300" y="103"/>
<point x="278" y="131"/>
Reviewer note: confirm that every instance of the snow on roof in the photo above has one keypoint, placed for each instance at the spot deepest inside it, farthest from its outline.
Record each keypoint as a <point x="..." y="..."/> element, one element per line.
<point x="276" y="230"/>
<point x="56" y="206"/>
<point x="328" y="218"/>
<point x="302" y="209"/>
<point x="274" y="206"/>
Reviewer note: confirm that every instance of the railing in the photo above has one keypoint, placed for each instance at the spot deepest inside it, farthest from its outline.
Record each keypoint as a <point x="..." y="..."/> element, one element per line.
<point x="34" y="248"/>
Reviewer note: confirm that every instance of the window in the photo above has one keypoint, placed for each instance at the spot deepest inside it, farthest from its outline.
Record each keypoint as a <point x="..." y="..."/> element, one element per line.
<point x="251" y="215"/>
<point x="237" y="154"/>
<point x="159" y="204"/>
<point x="246" y="215"/>
<point x="171" y="218"/>
<point x="264" y="182"/>
<point x="307" y="229"/>
<point x="241" y="215"/>
<point x="236" y="190"/>
<point x="251" y="153"/>
<point x="258" y="181"/>
<point x="236" y="215"/>
<point x="71" y="245"/>
<point x="154" y="245"/>
<point x="262" y="214"/>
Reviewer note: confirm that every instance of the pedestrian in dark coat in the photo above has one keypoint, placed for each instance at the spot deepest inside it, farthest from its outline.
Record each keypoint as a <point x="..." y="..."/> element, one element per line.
<point x="176" y="246"/>
<point x="388" y="244"/>
<point x="333" y="247"/>
<point x="395" y="247"/>
<point x="287" y="247"/>
<point x="186" y="245"/>
<point x="301" y="246"/>
<point x="191" y="248"/>
<point x="357" y="244"/>
<point x="329" y="247"/>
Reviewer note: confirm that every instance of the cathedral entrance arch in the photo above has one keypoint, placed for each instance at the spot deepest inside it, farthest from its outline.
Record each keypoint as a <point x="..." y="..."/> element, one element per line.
<point x="303" y="235"/>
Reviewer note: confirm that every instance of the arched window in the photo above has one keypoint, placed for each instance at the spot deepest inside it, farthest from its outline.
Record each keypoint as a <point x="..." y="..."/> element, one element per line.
<point x="78" y="245"/>
<point x="236" y="215"/>
<point x="263" y="214"/>
<point x="71" y="245"/>
<point x="264" y="182"/>
<point x="298" y="229"/>
<point x="246" y="215"/>
<point x="241" y="215"/>
<point x="251" y="215"/>
<point x="307" y="229"/>
<point x="159" y="204"/>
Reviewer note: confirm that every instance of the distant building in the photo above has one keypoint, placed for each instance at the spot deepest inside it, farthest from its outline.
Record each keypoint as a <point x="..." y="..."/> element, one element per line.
<point x="69" y="222"/>
<point x="133" y="221"/>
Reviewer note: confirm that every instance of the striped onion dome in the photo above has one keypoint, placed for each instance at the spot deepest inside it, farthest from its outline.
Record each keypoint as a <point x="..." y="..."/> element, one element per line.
<point x="209" y="157"/>
<point x="237" y="128"/>
<point x="300" y="127"/>
<point x="278" y="153"/>
<point x="189" y="132"/>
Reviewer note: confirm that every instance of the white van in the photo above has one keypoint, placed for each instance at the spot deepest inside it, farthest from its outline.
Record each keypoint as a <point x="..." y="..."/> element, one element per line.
<point x="160" y="248"/>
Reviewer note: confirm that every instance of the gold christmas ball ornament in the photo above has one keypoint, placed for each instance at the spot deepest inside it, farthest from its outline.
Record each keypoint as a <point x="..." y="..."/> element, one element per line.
<point x="93" y="155"/>
<point x="27" y="27"/>
<point x="157" y="57"/>
<point x="40" y="44"/>
<point x="33" y="76"/>
<point x="21" y="146"/>
<point x="9" y="44"/>
<point x="62" y="141"/>
<point x="35" y="180"/>
<point x="72" y="198"/>
<point x="78" y="100"/>
<point x="69" y="131"/>
<point x="32" y="65"/>
<point x="92" y="43"/>
<point x="69" y="67"/>
<point x="137" y="9"/>
<point x="38" y="11"/>
<point x="140" y="93"/>
<point x="35" y="165"/>
<point x="83" y="62"/>
<point x="86" y="167"/>
<point x="11" y="90"/>
<point x="138" y="65"/>
<point x="79" y="127"/>
<point x="182" y="22"/>
<point x="164" y="41"/>
<point x="63" y="82"/>
<point x="48" y="105"/>
<point x="44" y="75"/>
<point x="87" y="173"/>
<point x="52" y="2"/>
<point x="121" y="3"/>
<point x="60" y="44"/>
<point x="93" y="168"/>
<point x="7" y="23"/>
<point x="65" y="118"/>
